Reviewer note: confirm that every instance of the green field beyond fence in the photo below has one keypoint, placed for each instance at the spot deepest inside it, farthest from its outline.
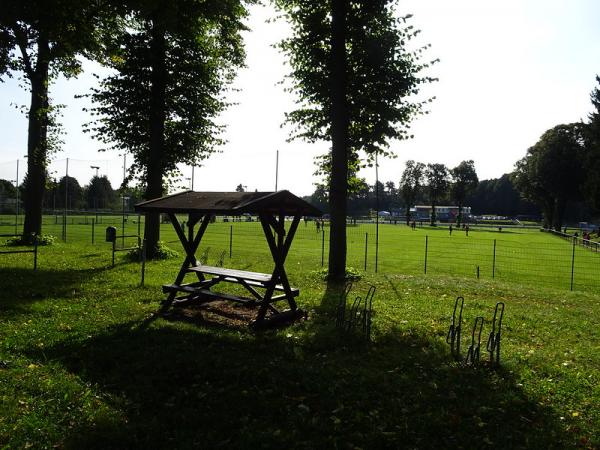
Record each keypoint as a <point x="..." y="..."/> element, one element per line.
<point x="517" y="255"/>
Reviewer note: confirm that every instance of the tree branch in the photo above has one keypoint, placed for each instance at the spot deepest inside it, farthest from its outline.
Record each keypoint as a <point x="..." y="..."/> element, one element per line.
<point x="21" y="38"/>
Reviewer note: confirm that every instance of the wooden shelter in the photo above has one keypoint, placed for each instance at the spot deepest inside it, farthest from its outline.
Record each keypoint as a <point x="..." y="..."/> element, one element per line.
<point x="272" y="208"/>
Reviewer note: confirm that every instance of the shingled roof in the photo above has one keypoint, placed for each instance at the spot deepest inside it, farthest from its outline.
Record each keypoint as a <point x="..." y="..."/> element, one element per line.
<point x="233" y="203"/>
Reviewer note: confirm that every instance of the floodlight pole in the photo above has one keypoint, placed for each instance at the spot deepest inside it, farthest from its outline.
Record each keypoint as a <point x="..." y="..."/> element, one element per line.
<point x="66" y="201"/>
<point x="95" y="193"/>
<point x="17" y="205"/>
<point x="192" y="178"/>
<point x="123" y="202"/>
<point x="276" y="169"/>
<point x="377" y="211"/>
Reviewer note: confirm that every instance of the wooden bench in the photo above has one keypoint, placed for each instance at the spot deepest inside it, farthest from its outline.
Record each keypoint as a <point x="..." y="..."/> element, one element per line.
<point x="262" y="278"/>
<point x="247" y="279"/>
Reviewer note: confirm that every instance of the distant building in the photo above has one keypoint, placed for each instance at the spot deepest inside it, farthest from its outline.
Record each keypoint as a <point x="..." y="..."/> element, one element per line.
<point x="443" y="213"/>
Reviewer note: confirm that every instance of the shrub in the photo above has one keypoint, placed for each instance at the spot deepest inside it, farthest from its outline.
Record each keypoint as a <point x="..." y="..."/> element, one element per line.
<point x="43" y="239"/>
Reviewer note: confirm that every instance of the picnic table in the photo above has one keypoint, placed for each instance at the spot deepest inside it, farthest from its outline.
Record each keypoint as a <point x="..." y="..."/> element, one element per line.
<point x="263" y="290"/>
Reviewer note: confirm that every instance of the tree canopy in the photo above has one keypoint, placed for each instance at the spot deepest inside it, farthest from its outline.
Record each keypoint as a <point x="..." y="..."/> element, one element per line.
<point x="355" y="78"/>
<point x="438" y="181"/>
<point x="40" y="40"/>
<point x="161" y="102"/>
<point x="410" y="184"/>
<point x="551" y="172"/>
<point x="592" y="157"/>
<point x="464" y="181"/>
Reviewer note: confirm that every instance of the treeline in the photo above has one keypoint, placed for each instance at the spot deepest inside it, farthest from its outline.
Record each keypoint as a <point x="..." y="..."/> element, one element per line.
<point x="497" y="196"/>
<point x="561" y="172"/>
<point x="98" y="195"/>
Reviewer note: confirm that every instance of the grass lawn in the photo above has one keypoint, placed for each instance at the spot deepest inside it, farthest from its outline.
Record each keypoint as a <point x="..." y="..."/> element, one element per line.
<point x="526" y="256"/>
<point x="86" y="362"/>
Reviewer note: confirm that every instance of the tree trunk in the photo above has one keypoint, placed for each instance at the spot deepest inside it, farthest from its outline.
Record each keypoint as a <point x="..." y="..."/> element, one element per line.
<point x="338" y="188"/>
<point x="154" y="175"/>
<point x="37" y="142"/>
<point x="559" y="214"/>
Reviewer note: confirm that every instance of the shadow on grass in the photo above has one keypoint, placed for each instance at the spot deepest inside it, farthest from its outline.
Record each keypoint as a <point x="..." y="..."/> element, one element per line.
<point x="183" y="386"/>
<point x="21" y="287"/>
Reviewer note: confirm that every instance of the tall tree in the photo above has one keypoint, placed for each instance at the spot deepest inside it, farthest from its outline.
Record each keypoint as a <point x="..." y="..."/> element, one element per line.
<point x="100" y="194"/>
<point x="592" y="150"/>
<point x="161" y="103"/>
<point x="356" y="81"/>
<point x="551" y="172"/>
<point x="410" y="184"/>
<point x="41" y="40"/>
<point x="464" y="181"/>
<point x="438" y="180"/>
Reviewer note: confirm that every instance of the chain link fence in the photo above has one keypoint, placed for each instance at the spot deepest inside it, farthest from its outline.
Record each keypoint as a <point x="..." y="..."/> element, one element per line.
<point x="523" y="256"/>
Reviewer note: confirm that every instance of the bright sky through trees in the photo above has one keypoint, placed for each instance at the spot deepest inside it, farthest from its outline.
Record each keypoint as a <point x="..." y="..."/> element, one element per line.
<point x="509" y="70"/>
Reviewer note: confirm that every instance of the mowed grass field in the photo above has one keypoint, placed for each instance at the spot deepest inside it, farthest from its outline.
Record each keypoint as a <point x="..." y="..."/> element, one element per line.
<point x="520" y="255"/>
<point x="86" y="361"/>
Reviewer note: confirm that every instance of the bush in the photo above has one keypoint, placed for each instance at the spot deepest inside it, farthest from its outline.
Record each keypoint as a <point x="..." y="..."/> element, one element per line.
<point x="43" y="239"/>
<point x="161" y="252"/>
<point x="352" y="274"/>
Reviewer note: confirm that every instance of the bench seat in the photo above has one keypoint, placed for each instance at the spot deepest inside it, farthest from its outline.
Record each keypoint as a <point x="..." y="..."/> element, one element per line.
<point x="233" y="273"/>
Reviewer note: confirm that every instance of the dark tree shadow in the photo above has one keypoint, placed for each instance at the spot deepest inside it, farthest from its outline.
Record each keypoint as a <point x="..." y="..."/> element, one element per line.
<point x="182" y="386"/>
<point x="22" y="287"/>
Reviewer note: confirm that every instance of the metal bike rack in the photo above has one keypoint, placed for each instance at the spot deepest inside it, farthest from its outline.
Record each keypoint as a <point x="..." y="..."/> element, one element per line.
<point x="359" y="314"/>
<point x="493" y="343"/>
<point x="453" y="336"/>
<point x="473" y="352"/>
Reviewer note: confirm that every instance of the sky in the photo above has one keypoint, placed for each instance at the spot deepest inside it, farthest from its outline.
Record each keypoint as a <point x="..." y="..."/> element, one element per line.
<point x="508" y="71"/>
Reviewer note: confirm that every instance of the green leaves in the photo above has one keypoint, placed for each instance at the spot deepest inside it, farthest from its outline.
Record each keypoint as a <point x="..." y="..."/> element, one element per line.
<point x="383" y="74"/>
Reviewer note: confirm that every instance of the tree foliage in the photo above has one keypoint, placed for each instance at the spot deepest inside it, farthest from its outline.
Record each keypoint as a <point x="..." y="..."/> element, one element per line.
<point x="355" y="79"/>
<point x="438" y="181"/>
<point x="592" y="150"/>
<point x="40" y="40"/>
<point x="411" y="183"/>
<point x="551" y="172"/>
<point x="464" y="181"/>
<point x="99" y="193"/>
<point x="499" y="196"/>
<point x="166" y="91"/>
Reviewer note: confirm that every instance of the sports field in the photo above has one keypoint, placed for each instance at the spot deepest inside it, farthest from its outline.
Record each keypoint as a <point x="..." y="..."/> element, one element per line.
<point x="519" y="255"/>
<point x="86" y="361"/>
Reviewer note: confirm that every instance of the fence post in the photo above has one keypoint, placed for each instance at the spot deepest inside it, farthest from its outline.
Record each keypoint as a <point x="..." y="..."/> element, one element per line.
<point x="140" y="224"/>
<point x="35" y="252"/>
<point x="230" y="240"/>
<point x="426" y="245"/>
<point x="93" y="226"/>
<point x="322" y="248"/>
<point x="114" y="243"/>
<point x="494" y="261"/>
<point x="377" y="244"/>
<point x="573" y="264"/>
<point x="143" y="262"/>
<point x="366" y="248"/>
